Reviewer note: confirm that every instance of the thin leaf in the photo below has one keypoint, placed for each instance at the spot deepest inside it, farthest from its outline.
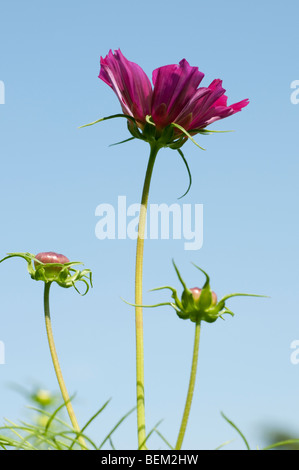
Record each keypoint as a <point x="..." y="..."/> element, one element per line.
<point x="282" y="443"/>
<point x="150" y="433"/>
<point x="189" y="173"/>
<point x="164" y="439"/>
<point x="94" y="417"/>
<point x="111" y="443"/>
<point x="65" y="435"/>
<point x="115" y="427"/>
<point x="224" y="444"/>
<point x="237" y="429"/>
<point x="46" y="413"/>
<point x="53" y="415"/>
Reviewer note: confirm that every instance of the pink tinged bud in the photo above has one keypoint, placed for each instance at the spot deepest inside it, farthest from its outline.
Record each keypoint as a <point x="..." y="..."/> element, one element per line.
<point x="51" y="257"/>
<point x="196" y="292"/>
<point x="214" y="298"/>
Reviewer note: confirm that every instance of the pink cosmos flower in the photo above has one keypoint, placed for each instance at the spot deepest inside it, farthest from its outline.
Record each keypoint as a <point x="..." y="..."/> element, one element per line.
<point x="175" y="99"/>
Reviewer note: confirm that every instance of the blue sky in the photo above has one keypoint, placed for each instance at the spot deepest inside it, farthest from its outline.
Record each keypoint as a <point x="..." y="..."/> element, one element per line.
<point x="54" y="175"/>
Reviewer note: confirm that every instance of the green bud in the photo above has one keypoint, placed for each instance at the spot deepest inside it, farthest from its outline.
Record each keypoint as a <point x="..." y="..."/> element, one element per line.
<point x="54" y="267"/>
<point x="43" y="397"/>
<point x="198" y="304"/>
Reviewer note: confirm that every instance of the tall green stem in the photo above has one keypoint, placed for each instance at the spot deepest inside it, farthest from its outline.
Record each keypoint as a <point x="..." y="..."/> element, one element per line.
<point x="58" y="372"/>
<point x="138" y="301"/>
<point x="190" y="389"/>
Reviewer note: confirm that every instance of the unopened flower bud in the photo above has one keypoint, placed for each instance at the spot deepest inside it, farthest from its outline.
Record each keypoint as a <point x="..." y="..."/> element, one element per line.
<point x="49" y="258"/>
<point x="198" y="304"/>
<point x="196" y="292"/>
<point x="43" y="397"/>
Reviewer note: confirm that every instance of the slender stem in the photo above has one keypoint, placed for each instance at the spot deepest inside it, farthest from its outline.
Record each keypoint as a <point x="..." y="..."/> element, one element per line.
<point x="190" y="389"/>
<point x="57" y="368"/>
<point x="138" y="301"/>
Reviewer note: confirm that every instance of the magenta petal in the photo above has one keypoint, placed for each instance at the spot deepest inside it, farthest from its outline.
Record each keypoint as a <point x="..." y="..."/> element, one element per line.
<point x="174" y="86"/>
<point x="220" y="112"/>
<point x="129" y="82"/>
<point x="217" y="95"/>
<point x="194" y="105"/>
<point x="222" y="101"/>
<point x="202" y="107"/>
<point x="215" y="107"/>
<point x="238" y="106"/>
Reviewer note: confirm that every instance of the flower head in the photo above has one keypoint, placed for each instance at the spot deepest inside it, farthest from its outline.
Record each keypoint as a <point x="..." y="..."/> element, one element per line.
<point x="170" y="112"/>
<point x="176" y="102"/>
<point x="198" y="304"/>
<point x="54" y="267"/>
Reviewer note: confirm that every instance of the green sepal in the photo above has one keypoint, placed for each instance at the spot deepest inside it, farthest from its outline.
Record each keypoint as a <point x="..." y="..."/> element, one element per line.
<point x="167" y="136"/>
<point x="146" y="306"/>
<point x="174" y="295"/>
<point x="208" y="131"/>
<point x="183" y="315"/>
<point x="149" y="130"/>
<point x="106" y="118"/>
<point x="187" y="134"/>
<point x="207" y="283"/>
<point x="177" y="144"/>
<point x="241" y="295"/>
<point x="122" y="141"/>
<point x="205" y="299"/>
<point x="134" y="130"/>
<point x="179" y="276"/>
<point x="188" y="301"/>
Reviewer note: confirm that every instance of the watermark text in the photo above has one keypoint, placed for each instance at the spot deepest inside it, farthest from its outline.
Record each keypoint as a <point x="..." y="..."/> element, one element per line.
<point x="295" y="94"/>
<point x="164" y="222"/>
<point x="2" y="92"/>
<point x="2" y="353"/>
<point x="295" y="354"/>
